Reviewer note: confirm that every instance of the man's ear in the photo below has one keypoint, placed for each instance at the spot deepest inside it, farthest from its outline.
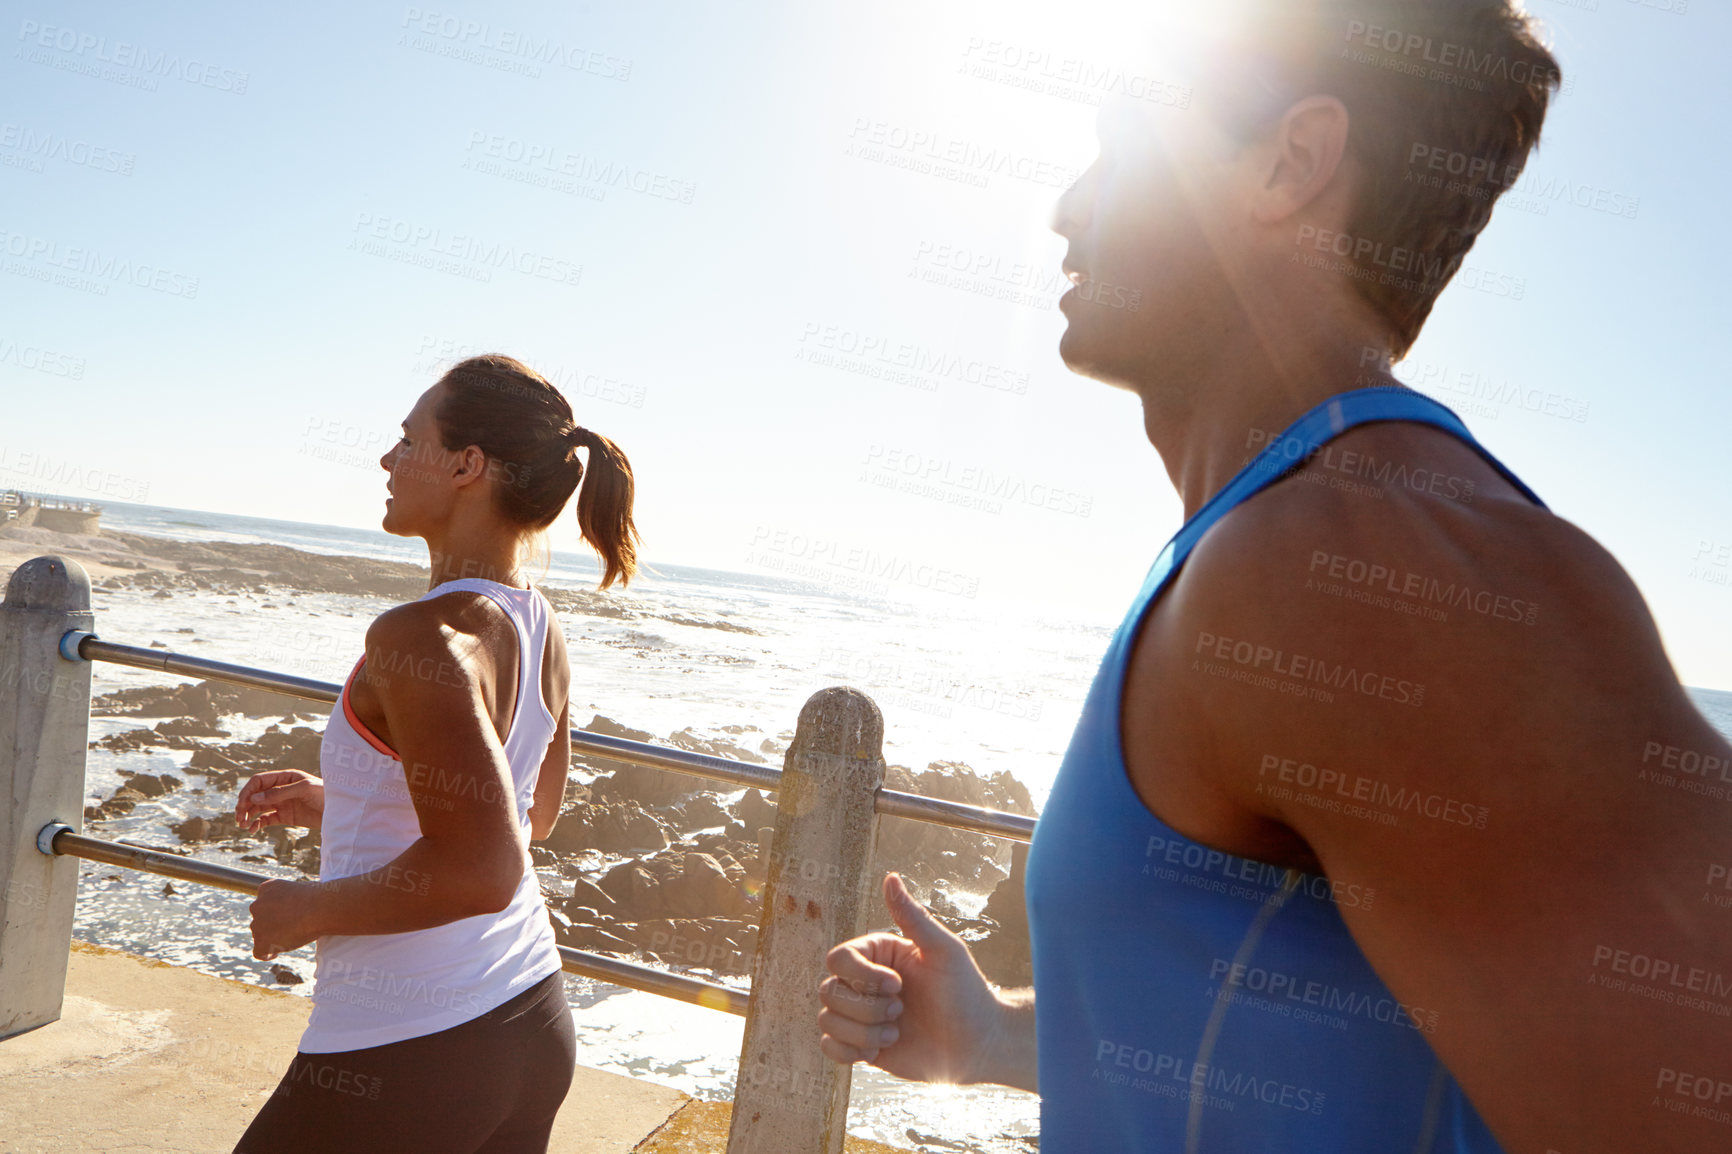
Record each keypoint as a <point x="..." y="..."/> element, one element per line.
<point x="1301" y="158"/>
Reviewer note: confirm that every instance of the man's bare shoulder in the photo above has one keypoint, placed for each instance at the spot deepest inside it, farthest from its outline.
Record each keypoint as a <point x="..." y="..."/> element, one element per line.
<point x="1457" y="566"/>
<point x="1443" y="639"/>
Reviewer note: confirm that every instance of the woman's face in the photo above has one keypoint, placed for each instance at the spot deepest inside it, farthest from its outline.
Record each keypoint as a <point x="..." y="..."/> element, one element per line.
<point x="423" y="473"/>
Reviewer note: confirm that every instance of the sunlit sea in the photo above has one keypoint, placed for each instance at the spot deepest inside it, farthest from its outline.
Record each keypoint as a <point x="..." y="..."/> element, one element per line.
<point x="997" y="690"/>
<point x="951" y="687"/>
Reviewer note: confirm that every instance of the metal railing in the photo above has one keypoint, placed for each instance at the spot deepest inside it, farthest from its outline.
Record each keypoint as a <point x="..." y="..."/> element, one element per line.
<point x="60" y="839"/>
<point x="788" y="1097"/>
<point x="890" y="802"/>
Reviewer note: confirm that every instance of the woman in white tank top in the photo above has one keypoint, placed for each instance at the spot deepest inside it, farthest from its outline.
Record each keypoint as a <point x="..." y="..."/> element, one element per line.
<point x="439" y="1017"/>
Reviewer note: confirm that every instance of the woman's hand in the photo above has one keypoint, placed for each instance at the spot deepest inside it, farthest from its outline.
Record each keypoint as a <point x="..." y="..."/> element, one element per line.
<point x="282" y="917"/>
<point x="280" y="797"/>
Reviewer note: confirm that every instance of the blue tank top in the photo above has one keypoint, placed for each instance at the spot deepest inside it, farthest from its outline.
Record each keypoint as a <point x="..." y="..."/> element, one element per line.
<point x="1188" y="1000"/>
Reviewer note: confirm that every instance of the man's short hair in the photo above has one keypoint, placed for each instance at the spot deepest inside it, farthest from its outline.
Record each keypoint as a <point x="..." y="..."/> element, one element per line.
<point x="1446" y="99"/>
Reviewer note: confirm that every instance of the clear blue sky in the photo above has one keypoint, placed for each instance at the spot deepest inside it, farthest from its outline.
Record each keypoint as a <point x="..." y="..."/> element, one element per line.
<point x="305" y="163"/>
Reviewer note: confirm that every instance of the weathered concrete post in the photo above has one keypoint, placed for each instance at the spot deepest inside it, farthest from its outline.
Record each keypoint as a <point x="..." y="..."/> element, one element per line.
<point x="789" y="1098"/>
<point x="44" y="726"/>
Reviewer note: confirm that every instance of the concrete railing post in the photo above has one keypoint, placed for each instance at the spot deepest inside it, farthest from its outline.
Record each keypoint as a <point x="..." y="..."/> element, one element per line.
<point x="789" y="1098"/>
<point x="44" y="727"/>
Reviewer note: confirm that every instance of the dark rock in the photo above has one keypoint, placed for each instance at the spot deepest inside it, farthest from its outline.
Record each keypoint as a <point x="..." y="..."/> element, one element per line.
<point x="702" y="811"/>
<point x="702" y="888"/>
<point x="720" y="944"/>
<point x="755" y="810"/>
<point x="129" y="741"/>
<point x="235" y="566"/>
<point x="583" y="937"/>
<point x="757" y="870"/>
<point x="151" y="785"/>
<point x="693" y="742"/>
<point x="189" y="727"/>
<point x="677" y="884"/>
<point x="632" y="887"/>
<point x="586" y="894"/>
<point x="202" y="700"/>
<point x="608" y="727"/>
<point x="132" y="740"/>
<point x="206" y="758"/>
<point x="121" y="802"/>
<point x="926" y="854"/>
<point x="219" y="827"/>
<point x="290" y="846"/>
<point x="296" y="749"/>
<point x="656" y="787"/>
<point x="618" y="827"/>
<point x="1004" y="955"/>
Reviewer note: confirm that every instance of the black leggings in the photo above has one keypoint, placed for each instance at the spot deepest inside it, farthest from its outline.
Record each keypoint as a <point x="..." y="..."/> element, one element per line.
<point x="489" y="1086"/>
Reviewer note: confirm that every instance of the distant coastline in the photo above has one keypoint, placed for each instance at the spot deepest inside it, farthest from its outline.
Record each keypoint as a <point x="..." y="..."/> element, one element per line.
<point x="19" y="509"/>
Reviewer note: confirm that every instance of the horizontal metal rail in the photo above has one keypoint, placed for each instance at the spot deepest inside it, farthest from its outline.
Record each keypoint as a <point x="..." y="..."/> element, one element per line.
<point x="890" y="802"/>
<point x="660" y="757"/>
<point x="976" y="818"/>
<point x="59" y="839"/>
<point x="93" y="648"/>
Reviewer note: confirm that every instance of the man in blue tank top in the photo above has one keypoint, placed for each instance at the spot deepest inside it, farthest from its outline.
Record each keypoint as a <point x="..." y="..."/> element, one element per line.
<point x="1386" y="823"/>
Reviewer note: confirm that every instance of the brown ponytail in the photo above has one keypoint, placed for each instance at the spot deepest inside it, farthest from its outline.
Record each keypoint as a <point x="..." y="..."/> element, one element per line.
<point x="525" y="426"/>
<point x="604" y="507"/>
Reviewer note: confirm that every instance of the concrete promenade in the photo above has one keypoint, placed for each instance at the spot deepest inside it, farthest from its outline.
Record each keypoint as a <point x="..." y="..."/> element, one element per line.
<point x="149" y="1058"/>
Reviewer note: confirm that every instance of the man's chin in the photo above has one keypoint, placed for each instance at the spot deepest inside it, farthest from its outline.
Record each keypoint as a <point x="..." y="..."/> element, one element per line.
<point x="1083" y="357"/>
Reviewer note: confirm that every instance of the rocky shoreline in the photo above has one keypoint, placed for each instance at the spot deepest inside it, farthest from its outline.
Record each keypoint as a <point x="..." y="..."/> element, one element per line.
<point x="643" y="862"/>
<point x="165" y="568"/>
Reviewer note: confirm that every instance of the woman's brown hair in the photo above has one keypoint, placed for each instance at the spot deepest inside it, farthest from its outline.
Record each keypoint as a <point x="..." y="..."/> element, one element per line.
<point x="511" y="413"/>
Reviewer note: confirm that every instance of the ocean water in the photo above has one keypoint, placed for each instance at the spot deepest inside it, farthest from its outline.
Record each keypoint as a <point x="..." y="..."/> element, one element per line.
<point x="955" y="682"/>
<point x="949" y="685"/>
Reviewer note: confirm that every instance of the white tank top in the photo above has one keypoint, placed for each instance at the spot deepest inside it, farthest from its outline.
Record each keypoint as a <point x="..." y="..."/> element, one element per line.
<point x="373" y="989"/>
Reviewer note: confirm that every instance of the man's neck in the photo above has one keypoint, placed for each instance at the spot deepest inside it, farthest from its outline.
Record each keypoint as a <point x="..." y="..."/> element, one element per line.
<point x="1207" y="427"/>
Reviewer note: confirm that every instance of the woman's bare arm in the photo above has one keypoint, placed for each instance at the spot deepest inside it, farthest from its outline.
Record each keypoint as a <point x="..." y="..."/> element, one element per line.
<point x="550" y="782"/>
<point x="471" y="854"/>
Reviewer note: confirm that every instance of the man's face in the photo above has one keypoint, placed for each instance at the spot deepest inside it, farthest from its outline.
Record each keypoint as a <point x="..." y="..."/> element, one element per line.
<point x="1151" y="232"/>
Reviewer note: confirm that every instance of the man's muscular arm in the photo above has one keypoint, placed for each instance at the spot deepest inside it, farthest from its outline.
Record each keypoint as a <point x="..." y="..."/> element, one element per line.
<point x="1490" y="758"/>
